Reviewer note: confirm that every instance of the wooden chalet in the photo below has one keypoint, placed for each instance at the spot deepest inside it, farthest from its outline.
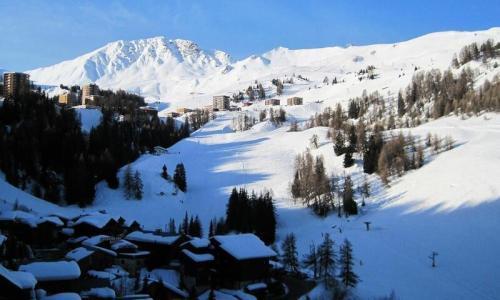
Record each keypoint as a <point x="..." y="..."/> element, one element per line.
<point x="241" y="259"/>
<point x="162" y="248"/>
<point x="54" y="276"/>
<point x="96" y="224"/>
<point x="16" y="285"/>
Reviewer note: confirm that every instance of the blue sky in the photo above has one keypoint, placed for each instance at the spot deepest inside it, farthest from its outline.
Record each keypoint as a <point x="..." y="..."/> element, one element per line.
<point x="36" y="33"/>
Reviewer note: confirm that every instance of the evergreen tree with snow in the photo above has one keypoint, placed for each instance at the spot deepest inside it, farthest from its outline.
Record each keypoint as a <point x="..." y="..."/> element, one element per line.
<point x="327" y="259"/>
<point x="261" y="91"/>
<point x="171" y="227"/>
<point x="128" y="182"/>
<point x="348" y="160"/>
<point x="339" y="146"/>
<point x="347" y="275"/>
<point x="289" y="258"/>
<point x="401" y="105"/>
<point x="350" y="206"/>
<point x="137" y="185"/>
<point x="184" y="228"/>
<point x="180" y="177"/>
<point x="311" y="260"/>
<point x="164" y="172"/>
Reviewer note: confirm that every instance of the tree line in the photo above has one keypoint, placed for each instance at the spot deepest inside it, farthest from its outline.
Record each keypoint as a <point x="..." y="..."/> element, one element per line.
<point x="323" y="261"/>
<point x="249" y="212"/>
<point x="44" y="151"/>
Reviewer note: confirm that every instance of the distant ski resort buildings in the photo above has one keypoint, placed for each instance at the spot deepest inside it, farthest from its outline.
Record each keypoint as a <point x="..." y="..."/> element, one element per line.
<point x="294" y="101"/>
<point x="15" y="83"/>
<point x="220" y="103"/>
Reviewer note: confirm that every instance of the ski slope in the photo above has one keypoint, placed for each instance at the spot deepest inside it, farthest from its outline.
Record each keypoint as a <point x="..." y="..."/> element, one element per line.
<point x="451" y="205"/>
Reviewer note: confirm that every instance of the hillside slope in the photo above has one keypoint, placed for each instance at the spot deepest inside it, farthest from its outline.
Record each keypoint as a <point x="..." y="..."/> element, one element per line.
<point x="451" y="205"/>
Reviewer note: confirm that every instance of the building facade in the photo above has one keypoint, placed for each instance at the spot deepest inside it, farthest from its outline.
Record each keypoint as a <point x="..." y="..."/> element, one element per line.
<point x="15" y="84"/>
<point x="221" y="103"/>
<point x="89" y="91"/>
<point x="70" y="99"/>
<point x="272" y="102"/>
<point x="294" y="101"/>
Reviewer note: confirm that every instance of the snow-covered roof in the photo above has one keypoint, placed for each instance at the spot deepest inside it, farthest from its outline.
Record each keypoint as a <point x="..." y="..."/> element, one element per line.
<point x="135" y="254"/>
<point x="219" y="295"/>
<point x="198" y="243"/>
<point x="51" y="219"/>
<point x="97" y="220"/>
<point x="53" y="270"/>
<point x="19" y="216"/>
<point x="123" y="244"/>
<point x="96" y="240"/>
<point x="102" y="293"/>
<point x="139" y="236"/>
<point x="67" y="231"/>
<point x="28" y="218"/>
<point x="170" y="279"/>
<point x="77" y="239"/>
<point x="198" y="257"/>
<point x="79" y="253"/>
<point x="244" y="246"/>
<point x="101" y="274"/>
<point x="256" y="286"/>
<point x="62" y="296"/>
<point x="23" y="280"/>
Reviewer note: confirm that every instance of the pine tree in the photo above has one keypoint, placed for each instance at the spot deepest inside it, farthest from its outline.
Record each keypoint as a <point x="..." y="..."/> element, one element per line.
<point x="137" y="185"/>
<point x="348" y="160"/>
<point x="185" y="225"/>
<point x="350" y="206"/>
<point x="211" y="229"/>
<point x="347" y="275"/>
<point x="171" y="227"/>
<point x="128" y="182"/>
<point x="164" y="172"/>
<point x="262" y="92"/>
<point x="289" y="258"/>
<point x="311" y="260"/>
<point x="339" y="146"/>
<point x="401" y="105"/>
<point x="327" y="259"/>
<point x="180" y="177"/>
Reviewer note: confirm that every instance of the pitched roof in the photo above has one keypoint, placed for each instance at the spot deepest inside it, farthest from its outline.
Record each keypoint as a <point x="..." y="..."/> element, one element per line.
<point x="244" y="246"/>
<point x="139" y="236"/>
<point x="53" y="270"/>
<point x="79" y="253"/>
<point x="98" y="220"/>
<point x="22" y="280"/>
<point x="198" y="257"/>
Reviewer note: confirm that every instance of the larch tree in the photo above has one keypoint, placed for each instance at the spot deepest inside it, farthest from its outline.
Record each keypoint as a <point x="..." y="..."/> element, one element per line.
<point x="289" y="258"/>
<point x="347" y="275"/>
<point x="327" y="259"/>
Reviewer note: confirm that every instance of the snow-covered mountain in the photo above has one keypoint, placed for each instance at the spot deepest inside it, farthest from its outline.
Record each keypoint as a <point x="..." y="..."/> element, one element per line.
<point x="179" y="71"/>
<point x="153" y="66"/>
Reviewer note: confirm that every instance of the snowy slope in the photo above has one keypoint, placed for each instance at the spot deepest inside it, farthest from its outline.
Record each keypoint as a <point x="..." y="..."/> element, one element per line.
<point x="451" y="205"/>
<point x="181" y="73"/>
<point x="89" y="117"/>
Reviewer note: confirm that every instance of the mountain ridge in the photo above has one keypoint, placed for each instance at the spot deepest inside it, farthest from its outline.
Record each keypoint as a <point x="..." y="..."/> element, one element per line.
<point x="173" y="70"/>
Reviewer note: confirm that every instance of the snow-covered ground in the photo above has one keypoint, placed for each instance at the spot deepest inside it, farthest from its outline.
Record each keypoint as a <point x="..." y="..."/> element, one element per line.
<point x="451" y="205"/>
